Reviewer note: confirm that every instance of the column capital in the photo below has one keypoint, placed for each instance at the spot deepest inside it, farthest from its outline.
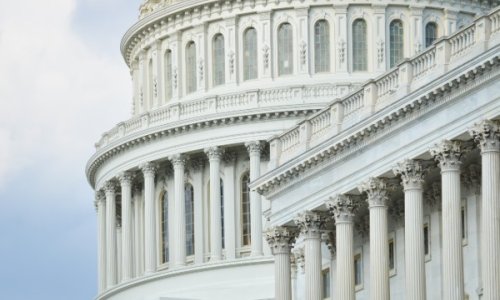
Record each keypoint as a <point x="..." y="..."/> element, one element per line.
<point x="487" y="135"/>
<point x="448" y="154"/>
<point x="411" y="172"/>
<point x="376" y="189"/>
<point x="126" y="178"/>
<point x="281" y="239"/>
<point x="214" y="153"/>
<point x="109" y="187"/>
<point x="149" y="168"/>
<point x="310" y="223"/>
<point x="342" y="208"/>
<point x="99" y="198"/>
<point x="178" y="160"/>
<point x="254" y="147"/>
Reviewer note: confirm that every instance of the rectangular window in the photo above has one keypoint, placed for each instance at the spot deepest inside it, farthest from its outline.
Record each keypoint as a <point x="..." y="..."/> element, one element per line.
<point x="463" y="221"/>
<point x="325" y="286"/>
<point x="392" y="257"/>
<point x="427" y="248"/>
<point x="358" y="271"/>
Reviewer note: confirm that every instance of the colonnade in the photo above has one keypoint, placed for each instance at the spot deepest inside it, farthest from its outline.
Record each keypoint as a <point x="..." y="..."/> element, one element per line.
<point x="342" y="209"/>
<point x="138" y="242"/>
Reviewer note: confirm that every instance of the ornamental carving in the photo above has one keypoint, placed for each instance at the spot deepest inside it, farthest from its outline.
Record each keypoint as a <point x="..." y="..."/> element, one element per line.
<point x="396" y="210"/>
<point x="109" y="188"/>
<point x="214" y="153"/>
<point x="380" y="51"/>
<point x="471" y="178"/>
<point x="254" y="147"/>
<point x="265" y="56"/>
<point x="448" y="154"/>
<point x="330" y="239"/>
<point x="376" y="189"/>
<point x="362" y="219"/>
<point x="342" y="208"/>
<point x="281" y="239"/>
<point x="197" y="163"/>
<point x="178" y="160"/>
<point x="155" y="87"/>
<point x="126" y="178"/>
<point x="300" y="260"/>
<point x="99" y="198"/>
<point x="174" y="78"/>
<point x="149" y="169"/>
<point x="341" y="47"/>
<point x="201" y="66"/>
<point x="487" y="135"/>
<point x="303" y="52"/>
<point x="230" y="57"/>
<point x="411" y="172"/>
<point x="230" y="157"/>
<point x="310" y="223"/>
<point x="432" y="195"/>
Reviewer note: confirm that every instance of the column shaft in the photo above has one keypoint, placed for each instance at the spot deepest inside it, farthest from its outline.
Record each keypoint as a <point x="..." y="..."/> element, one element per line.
<point x="101" y="246"/>
<point x="379" y="254"/>
<point x="280" y="240"/>
<point x="490" y="224"/>
<point x="150" y="250"/>
<point x="110" y="235"/>
<point x="214" y="155"/>
<point x="137" y="233"/>
<point x="179" y="245"/>
<point x="312" y="254"/>
<point x="254" y="150"/>
<point x="345" y="261"/>
<point x="127" y="227"/>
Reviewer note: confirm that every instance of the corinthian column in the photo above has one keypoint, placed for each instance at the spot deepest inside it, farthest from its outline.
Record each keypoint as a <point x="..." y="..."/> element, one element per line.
<point x="412" y="175"/>
<point x="280" y="240"/>
<point x="110" y="190"/>
<point x="311" y="224"/>
<point x="342" y="209"/>
<point x="138" y="232"/>
<point x="214" y="156"/>
<point x="127" y="262"/>
<point x="101" y="245"/>
<point x="254" y="150"/>
<point x="487" y="134"/>
<point x="375" y="188"/>
<point x="179" y="245"/>
<point x="448" y="153"/>
<point x="149" y="171"/>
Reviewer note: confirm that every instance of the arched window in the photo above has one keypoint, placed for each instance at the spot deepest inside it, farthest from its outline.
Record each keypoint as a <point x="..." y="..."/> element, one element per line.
<point x="250" y="54"/>
<point x="219" y="67"/>
<point x="189" y="206"/>
<point x="359" y="46"/>
<point x="245" y="210"/>
<point x="395" y="43"/>
<point x="190" y="67"/>
<point x="285" y="49"/>
<point x="164" y="226"/>
<point x="430" y="33"/>
<point x="168" y="75"/>
<point x="321" y="46"/>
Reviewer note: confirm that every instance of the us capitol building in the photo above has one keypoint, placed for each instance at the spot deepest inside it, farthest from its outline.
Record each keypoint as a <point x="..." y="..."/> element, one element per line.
<point x="305" y="150"/>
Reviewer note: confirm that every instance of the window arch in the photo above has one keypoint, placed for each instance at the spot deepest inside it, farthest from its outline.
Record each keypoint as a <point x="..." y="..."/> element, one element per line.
<point x="190" y="67"/>
<point x="359" y="46"/>
<point x="189" y="206"/>
<point x="164" y="226"/>
<point x="245" y="210"/>
<point x="168" y="74"/>
<point x="321" y="46"/>
<point x="396" y="45"/>
<point x="430" y="33"/>
<point x="218" y="63"/>
<point x="250" y="68"/>
<point x="285" y="49"/>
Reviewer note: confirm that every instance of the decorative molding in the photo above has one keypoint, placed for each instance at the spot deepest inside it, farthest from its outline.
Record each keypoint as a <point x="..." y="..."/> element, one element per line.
<point x="330" y="239"/>
<point x="471" y="178"/>
<point x="411" y="172"/>
<point x="342" y="208"/>
<point x="487" y="135"/>
<point x="149" y="169"/>
<point x="126" y="178"/>
<point x="448" y="154"/>
<point x="310" y="223"/>
<point x="281" y="239"/>
<point x="254" y="148"/>
<point x="214" y="153"/>
<point x="376" y="189"/>
<point x="178" y="160"/>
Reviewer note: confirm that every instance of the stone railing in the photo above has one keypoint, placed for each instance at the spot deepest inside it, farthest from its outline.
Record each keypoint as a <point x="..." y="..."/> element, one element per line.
<point x="228" y="103"/>
<point x="444" y="55"/>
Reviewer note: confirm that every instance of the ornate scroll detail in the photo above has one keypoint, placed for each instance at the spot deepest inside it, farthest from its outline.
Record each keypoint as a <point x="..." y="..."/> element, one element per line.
<point x="303" y="52"/>
<point x="380" y="51"/>
<point x="342" y="208"/>
<point x="433" y="195"/>
<point x="110" y="187"/>
<point x="341" y="47"/>
<point x="411" y="172"/>
<point x="254" y="147"/>
<point x="126" y="178"/>
<point x="487" y="135"/>
<point x="448" y="154"/>
<point x="310" y="223"/>
<point x="330" y="239"/>
<point x="149" y="168"/>
<point x="300" y="259"/>
<point x="230" y="57"/>
<point x="178" y="160"/>
<point x="281" y="239"/>
<point x="214" y="153"/>
<point x="265" y="56"/>
<point x="376" y="189"/>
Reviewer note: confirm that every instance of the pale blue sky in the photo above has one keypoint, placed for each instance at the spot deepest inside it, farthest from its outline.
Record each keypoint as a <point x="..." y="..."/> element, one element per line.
<point x="62" y="83"/>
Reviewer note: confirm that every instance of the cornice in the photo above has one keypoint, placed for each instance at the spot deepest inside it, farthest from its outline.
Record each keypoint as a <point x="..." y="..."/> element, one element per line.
<point x="483" y="68"/>
<point x="176" y="128"/>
